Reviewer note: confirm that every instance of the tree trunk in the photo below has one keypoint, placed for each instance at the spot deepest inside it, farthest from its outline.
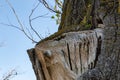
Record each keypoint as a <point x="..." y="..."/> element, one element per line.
<point x="72" y="54"/>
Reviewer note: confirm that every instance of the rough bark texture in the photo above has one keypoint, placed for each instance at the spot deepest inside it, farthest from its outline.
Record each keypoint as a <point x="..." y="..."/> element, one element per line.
<point x="79" y="12"/>
<point x="81" y="55"/>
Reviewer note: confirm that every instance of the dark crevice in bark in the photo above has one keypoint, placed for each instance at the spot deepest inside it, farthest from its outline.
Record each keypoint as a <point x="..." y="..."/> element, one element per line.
<point x="98" y="50"/>
<point x="92" y="65"/>
<point x="99" y="21"/>
<point x="65" y="57"/>
<point x="63" y="53"/>
<point x="59" y="38"/>
<point x="69" y="56"/>
<point x="88" y="43"/>
<point x="80" y="56"/>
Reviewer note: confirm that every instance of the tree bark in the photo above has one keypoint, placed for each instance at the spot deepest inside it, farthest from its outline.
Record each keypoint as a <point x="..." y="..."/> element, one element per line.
<point x="81" y="55"/>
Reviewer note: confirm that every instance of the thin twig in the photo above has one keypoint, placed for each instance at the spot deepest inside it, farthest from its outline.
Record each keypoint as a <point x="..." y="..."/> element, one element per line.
<point x="59" y="3"/>
<point x="15" y="14"/>
<point x="11" y="25"/>
<point x="10" y="74"/>
<point x="29" y="32"/>
<point x="30" y="21"/>
<point x="48" y="7"/>
<point x="38" y="17"/>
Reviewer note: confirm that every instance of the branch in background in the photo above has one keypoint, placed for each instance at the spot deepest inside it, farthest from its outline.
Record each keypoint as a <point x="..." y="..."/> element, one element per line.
<point x="34" y="18"/>
<point x="29" y="33"/>
<point x="58" y="3"/>
<point x="21" y="28"/>
<point x="30" y="21"/>
<point x="48" y="7"/>
<point x="11" y="25"/>
<point x="57" y="9"/>
<point x="15" y="14"/>
<point x="44" y="16"/>
<point x="14" y="26"/>
<point x="9" y="75"/>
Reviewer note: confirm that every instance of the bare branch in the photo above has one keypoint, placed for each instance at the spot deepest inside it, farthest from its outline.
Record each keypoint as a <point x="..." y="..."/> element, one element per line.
<point x="10" y="74"/>
<point x="39" y="16"/>
<point x="11" y="26"/>
<point x="59" y="3"/>
<point x="15" y="14"/>
<point x="21" y="28"/>
<point x="30" y="21"/>
<point x="29" y="32"/>
<point x="48" y="7"/>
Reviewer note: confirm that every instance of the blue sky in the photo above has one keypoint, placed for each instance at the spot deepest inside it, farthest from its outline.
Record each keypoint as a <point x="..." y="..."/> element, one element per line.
<point x="15" y="43"/>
